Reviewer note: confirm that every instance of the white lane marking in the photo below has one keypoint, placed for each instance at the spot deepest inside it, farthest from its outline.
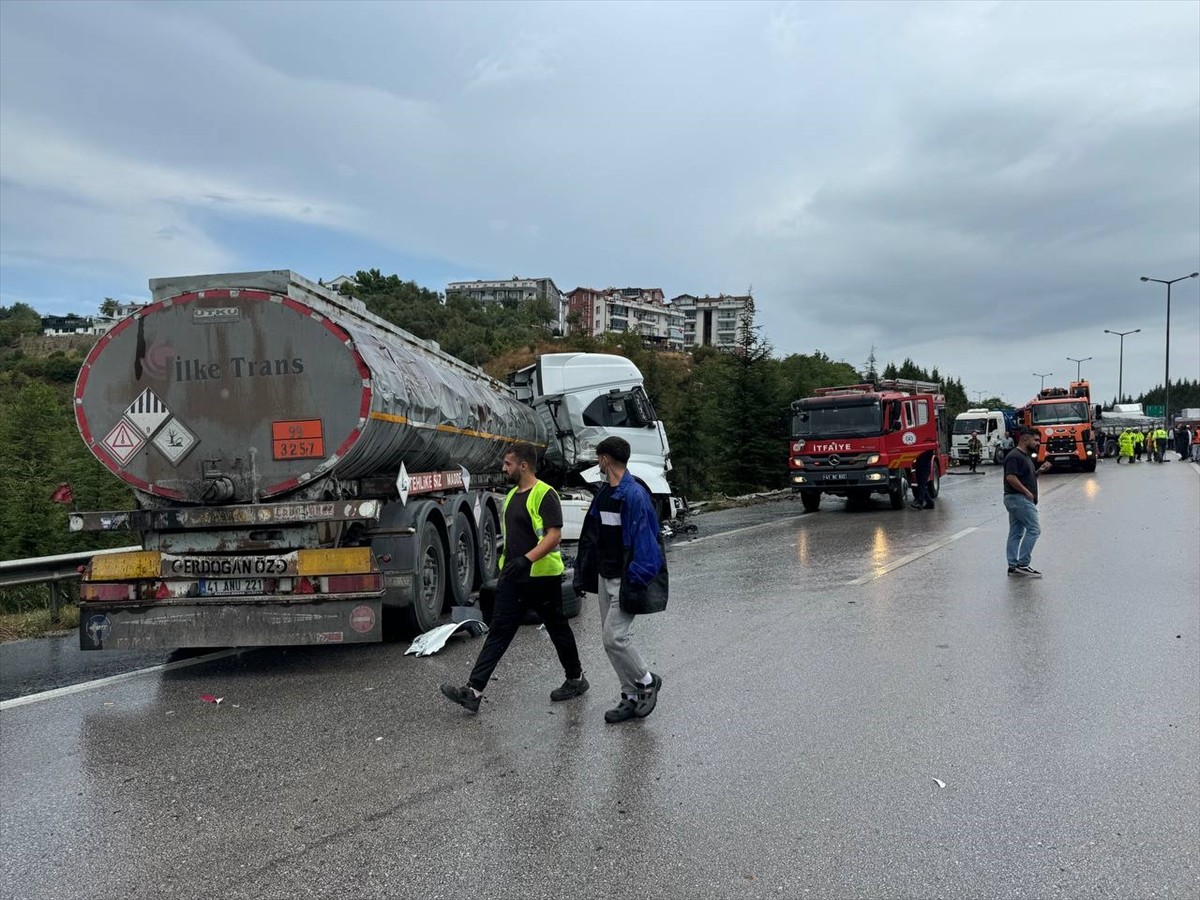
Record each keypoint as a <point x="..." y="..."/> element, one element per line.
<point x="114" y="679"/>
<point x="905" y="560"/>
<point x="709" y="537"/>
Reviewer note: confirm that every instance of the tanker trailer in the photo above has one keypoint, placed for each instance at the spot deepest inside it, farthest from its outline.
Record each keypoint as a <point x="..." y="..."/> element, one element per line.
<point x="300" y="467"/>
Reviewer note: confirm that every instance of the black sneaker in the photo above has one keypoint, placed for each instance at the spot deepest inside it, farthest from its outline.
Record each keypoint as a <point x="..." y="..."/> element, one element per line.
<point x="570" y="689"/>
<point x="648" y="697"/>
<point x="463" y="696"/>
<point x="1029" y="572"/>
<point x="622" y="712"/>
<point x="1012" y="570"/>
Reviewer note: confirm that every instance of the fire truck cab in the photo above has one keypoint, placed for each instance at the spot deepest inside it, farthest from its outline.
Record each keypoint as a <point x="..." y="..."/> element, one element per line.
<point x="856" y="440"/>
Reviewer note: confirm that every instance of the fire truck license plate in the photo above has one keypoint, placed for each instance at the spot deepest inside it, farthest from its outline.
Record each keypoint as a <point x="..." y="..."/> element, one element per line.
<point x="836" y="476"/>
<point x="224" y="587"/>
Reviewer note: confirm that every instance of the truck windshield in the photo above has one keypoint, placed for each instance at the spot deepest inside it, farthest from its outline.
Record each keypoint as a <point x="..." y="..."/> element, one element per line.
<point x="1060" y="413"/>
<point x="966" y="426"/>
<point x="861" y="420"/>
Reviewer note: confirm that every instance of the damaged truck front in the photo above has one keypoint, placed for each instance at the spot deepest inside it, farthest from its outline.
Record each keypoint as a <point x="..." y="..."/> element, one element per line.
<point x="302" y="468"/>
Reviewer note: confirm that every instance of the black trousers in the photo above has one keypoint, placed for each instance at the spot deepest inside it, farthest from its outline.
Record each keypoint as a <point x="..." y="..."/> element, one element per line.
<point x="542" y="594"/>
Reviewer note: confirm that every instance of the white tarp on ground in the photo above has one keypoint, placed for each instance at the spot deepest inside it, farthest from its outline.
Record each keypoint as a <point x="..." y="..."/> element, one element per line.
<point x="435" y="639"/>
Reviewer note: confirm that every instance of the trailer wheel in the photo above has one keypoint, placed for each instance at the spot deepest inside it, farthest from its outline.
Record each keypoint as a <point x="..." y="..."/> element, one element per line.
<point x="811" y="500"/>
<point x="462" y="561"/>
<point x="489" y="534"/>
<point x="899" y="494"/>
<point x="426" y="608"/>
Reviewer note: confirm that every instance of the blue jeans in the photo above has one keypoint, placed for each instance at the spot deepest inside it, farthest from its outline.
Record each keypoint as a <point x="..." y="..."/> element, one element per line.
<point x="1023" y="529"/>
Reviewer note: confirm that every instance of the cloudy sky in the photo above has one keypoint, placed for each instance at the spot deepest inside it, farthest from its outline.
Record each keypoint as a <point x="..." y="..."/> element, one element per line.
<point x="977" y="186"/>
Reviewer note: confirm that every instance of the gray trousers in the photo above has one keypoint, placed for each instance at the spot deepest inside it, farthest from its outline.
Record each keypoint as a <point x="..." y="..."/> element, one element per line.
<point x="615" y="623"/>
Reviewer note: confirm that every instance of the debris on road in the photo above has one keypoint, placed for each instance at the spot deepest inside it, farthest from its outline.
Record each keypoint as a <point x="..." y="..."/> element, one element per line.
<point x="940" y="783"/>
<point x="209" y="698"/>
<point x="435" y="639"/>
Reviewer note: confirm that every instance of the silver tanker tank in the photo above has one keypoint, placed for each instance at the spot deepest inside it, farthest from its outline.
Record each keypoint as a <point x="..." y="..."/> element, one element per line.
<point x="241" y="387"/>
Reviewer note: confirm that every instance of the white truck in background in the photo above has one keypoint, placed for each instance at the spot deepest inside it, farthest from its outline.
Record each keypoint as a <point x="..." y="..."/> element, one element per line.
<point x="994" y="426"/>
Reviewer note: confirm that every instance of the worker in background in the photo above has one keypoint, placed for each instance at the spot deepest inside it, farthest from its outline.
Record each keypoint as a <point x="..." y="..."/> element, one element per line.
<point x="1196" y="444"/>
<point x="1125" y="444"/>
<point x="1183" y="438"/>
<point x="1160" y="444"/>
<point x="1141" y="441"/>
<point x="922" y="495"/>
<point x="974" y="450"/>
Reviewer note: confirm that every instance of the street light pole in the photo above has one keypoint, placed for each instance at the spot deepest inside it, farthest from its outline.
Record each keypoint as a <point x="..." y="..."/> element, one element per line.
<point x="1078" y="363"/>
<point x="1167" y="364"/>
<point x="1121" y="364"/>
<point x="1043" y="377"/>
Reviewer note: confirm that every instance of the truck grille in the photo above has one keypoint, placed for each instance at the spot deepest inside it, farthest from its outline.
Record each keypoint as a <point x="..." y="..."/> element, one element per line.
<point x="1060" y="445"/>
<point x="845" y="461"/>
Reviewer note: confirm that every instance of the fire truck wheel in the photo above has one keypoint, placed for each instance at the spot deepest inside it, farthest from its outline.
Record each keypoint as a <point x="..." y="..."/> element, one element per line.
<point x="936" y="484"/>
<point x="899" y="494"/>
<point x="811" y="500"/>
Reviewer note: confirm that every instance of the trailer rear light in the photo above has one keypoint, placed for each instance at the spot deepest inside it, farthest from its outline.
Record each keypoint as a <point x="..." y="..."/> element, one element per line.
<point x="162" y="592"/>
<point x="354" y="584"/>
<point x="304" y="586"/>
<point x="101" y="592"/>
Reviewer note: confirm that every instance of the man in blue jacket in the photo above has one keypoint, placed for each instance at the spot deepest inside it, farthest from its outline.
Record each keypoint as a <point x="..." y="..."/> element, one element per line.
<point x="619" y="543"/>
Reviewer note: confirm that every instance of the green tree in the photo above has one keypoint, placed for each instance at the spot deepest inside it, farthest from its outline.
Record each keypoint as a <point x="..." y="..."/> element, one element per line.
<point x="18" y="320"/>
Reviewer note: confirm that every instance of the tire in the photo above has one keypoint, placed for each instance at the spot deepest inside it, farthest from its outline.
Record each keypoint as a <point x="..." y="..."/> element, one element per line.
<point x="936" y="484"/>
<point x="811" y="500"/>
<point x="489" y="557"/>
<point x="572" y="603"/>
<point x="1089" y="466"/>
<point x="463" y="554"/>
<point x="430" y="588"/>
<point x="899" y="494"/>
<point x="998" y="457"/>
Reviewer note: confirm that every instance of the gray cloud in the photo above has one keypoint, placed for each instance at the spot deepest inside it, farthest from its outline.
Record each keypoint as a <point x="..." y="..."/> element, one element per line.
<point x="965" y="181"/>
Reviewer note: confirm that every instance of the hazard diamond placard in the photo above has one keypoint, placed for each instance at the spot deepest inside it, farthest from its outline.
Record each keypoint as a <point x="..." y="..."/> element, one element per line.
<point x="147" y="412"/>
<point x="123" y="442"/>
<point x="174" y="441"/>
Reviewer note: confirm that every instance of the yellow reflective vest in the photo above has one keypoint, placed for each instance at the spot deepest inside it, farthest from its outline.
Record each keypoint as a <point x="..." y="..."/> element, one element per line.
<point x="1126" y="443"/>
<point x="551" y="563"/>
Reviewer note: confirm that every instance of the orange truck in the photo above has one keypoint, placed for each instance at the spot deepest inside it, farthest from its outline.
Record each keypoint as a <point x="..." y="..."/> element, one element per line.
<point x="1065" y="419"/>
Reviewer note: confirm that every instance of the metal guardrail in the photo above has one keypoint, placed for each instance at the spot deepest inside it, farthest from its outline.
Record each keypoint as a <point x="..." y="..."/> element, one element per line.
<point x="52" y="570"/>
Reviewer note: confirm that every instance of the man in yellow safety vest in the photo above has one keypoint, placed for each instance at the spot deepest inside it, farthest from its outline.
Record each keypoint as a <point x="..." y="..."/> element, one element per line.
<point x="531" y="571"/>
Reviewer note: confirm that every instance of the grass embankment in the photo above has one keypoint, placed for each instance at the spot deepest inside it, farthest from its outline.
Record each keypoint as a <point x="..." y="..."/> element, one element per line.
<point x="25" y="613"/>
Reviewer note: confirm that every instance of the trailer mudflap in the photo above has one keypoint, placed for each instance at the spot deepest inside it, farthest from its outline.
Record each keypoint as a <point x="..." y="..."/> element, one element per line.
<point x="168" y="625"/>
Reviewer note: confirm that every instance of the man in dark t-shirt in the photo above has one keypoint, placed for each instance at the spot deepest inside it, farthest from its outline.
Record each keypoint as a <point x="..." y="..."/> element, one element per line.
<point x="531" y="571"/>
<point x="1020" y="499"/>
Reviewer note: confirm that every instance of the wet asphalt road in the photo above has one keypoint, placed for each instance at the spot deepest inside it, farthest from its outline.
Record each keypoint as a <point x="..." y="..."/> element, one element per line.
<point x="821" y="671"/>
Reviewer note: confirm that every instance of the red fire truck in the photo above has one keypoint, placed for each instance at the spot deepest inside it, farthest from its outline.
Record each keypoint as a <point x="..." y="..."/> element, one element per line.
<point x="857" y="440"/>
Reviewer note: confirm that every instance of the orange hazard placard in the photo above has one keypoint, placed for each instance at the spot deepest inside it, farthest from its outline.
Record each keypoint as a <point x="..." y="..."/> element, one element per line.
<point x="302" y="439"/>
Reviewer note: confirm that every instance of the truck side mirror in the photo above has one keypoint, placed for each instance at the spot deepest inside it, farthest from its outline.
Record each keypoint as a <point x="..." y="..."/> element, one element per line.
<point x="1099" y="411"/>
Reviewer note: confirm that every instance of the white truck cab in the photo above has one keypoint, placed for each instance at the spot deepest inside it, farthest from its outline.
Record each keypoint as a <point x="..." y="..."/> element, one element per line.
<point x="992" y="428"/>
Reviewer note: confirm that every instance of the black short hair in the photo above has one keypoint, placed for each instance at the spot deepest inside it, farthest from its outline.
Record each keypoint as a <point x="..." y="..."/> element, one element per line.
<point x="617" y="448"/>
<point x="524" y="452"/>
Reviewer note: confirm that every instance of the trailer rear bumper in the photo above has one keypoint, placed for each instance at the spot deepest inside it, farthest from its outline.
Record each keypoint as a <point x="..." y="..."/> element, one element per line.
<point x="230" y="623"/>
